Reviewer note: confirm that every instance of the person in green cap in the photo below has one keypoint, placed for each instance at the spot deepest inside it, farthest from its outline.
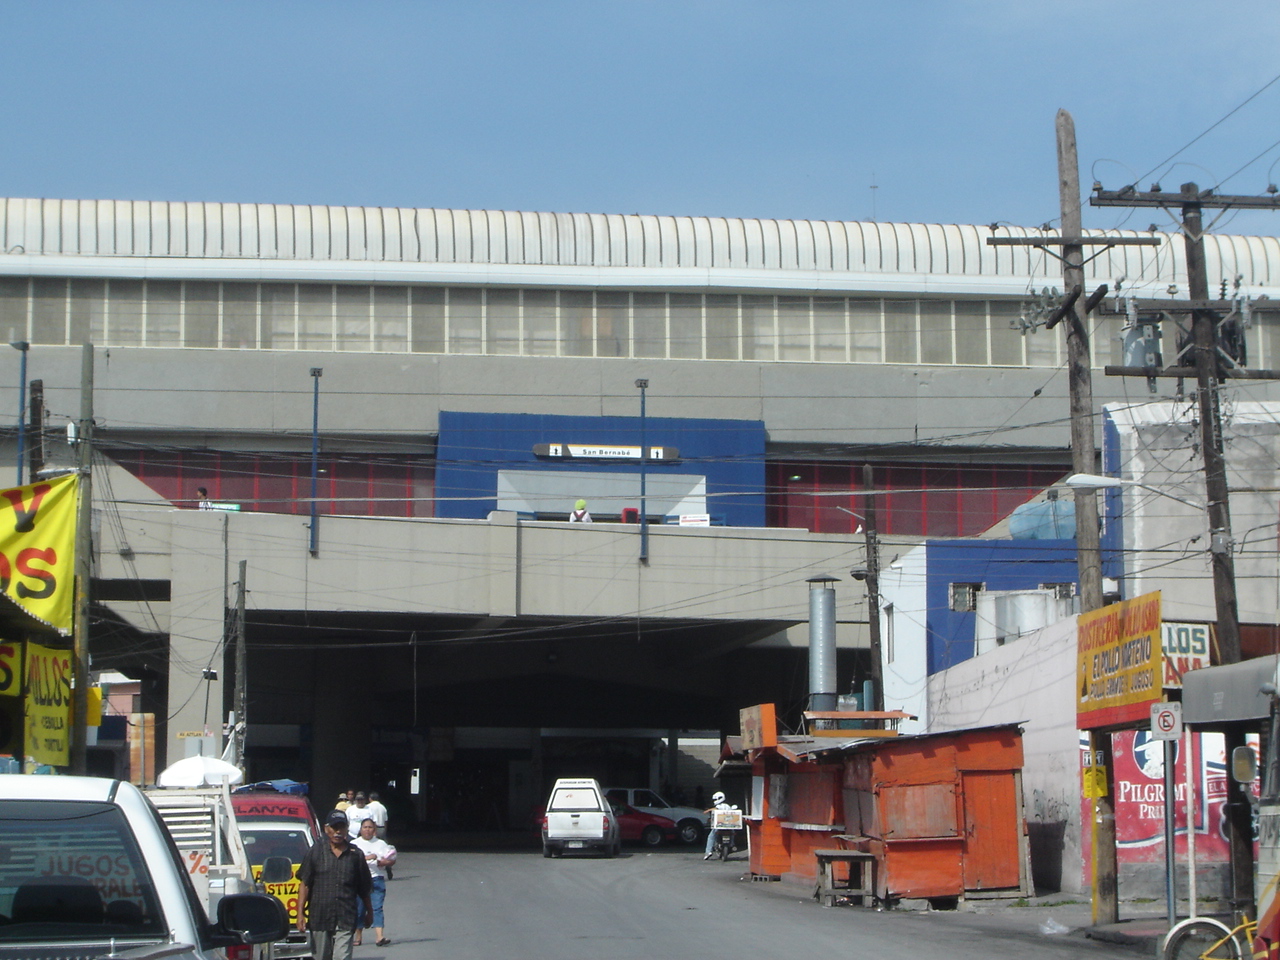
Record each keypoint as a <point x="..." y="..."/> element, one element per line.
<point x="579" y="513"/>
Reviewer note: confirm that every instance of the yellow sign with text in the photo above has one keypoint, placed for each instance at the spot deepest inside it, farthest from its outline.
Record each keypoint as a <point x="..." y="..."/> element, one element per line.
<point x="37" y="549"/>
<point x="1119" y="671"/>
<point x="48" y="705"/>
<point x="10" y="668"/>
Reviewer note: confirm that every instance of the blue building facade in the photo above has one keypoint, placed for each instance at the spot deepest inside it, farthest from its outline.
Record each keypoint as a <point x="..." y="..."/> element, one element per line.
<point x="539" y="465"/>
<point x="995" y="565"/>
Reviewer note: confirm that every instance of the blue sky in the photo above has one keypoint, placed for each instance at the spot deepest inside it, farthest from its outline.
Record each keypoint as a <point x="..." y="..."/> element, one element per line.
<point x="701" y="107"/>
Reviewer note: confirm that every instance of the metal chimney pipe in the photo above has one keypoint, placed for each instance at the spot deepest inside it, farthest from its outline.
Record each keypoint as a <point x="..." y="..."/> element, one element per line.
<point x="822" y="643"/>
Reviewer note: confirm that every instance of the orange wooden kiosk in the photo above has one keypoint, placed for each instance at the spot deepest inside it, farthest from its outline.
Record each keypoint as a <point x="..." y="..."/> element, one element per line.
<point x="936" y="816"/>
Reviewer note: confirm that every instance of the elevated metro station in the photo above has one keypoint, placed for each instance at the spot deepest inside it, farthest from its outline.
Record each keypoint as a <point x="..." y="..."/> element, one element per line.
<point x="453" y="382"/>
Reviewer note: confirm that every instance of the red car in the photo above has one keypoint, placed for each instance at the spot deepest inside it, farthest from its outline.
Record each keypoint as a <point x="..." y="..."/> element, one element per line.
<point x="648" y="828"/>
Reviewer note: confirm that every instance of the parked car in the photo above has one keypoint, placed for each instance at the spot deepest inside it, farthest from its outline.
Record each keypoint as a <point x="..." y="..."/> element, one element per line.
<point x="647" y="828"/>
<point x="691" y="823"/>
<point x="289" y="838"/>
<point x="90" y="870"/>
<point x="275" y="824"/>
<point x="579" y="817"/>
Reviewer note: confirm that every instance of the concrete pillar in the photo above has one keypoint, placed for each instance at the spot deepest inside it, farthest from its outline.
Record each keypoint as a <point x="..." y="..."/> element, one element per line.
<point x="197" y="613"/>
<point x="341" y="726"/>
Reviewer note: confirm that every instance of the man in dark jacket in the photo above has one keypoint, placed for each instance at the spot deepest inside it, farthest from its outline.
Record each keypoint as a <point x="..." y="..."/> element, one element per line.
<point x="334" y="881"/>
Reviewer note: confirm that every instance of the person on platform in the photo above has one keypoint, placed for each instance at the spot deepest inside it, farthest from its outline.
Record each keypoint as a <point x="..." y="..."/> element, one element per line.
<point x="335" y="891"/>
<point x="579" y="513"/>
<point x="379" y="855"/>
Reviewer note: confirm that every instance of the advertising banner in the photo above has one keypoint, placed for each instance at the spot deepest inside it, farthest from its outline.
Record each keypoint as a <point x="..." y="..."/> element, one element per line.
<point x="37" y="549"/>
<point x="1185" y="647"/>
<point x="1138" y="773"/>
<point x="48" y="705"/>
<point x="1119" y="667"/>
<point x="10" y="668"/>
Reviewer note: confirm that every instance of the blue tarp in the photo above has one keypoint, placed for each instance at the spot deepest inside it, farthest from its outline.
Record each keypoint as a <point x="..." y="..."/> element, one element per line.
<point x="279" y="786"/>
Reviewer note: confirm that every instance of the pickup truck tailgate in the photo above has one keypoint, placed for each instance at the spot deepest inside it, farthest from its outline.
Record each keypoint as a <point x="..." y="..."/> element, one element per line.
<point x="571" y="825"/>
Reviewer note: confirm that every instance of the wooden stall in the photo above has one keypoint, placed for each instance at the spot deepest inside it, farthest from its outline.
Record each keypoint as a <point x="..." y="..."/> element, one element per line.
<point x="942" y="814"/>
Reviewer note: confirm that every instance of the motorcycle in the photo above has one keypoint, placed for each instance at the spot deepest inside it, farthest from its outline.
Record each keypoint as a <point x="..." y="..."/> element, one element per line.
<point x="726" y="823"/>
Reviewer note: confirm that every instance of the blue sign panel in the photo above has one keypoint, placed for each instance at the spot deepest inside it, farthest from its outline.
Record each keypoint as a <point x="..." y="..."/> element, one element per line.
<point x="541" y="465"/>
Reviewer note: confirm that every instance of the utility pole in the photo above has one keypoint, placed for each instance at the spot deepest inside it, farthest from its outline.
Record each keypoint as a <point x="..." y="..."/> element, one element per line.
<point x="873" y="588"/>
<point x="1209" y="370"/>
<point x="241" y="729"/>
<point x="84" y="568"/>
<point x="1075" y="311"/>
<point x="35" y="428"/>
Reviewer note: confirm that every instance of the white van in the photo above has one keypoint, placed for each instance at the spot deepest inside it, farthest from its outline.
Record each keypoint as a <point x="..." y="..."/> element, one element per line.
<point x="579" y="817"/>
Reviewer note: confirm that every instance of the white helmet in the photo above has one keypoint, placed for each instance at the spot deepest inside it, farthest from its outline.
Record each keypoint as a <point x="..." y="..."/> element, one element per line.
<point x="717" y="797"/>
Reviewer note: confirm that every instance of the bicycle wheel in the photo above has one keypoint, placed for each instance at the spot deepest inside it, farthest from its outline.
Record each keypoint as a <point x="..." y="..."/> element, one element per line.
<point x="1201" y="939"/>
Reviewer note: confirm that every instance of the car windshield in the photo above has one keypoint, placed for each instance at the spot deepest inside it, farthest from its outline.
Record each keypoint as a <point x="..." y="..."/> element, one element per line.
<point x="260" y="843"/>
<point x="71" y="871"/>
<point x="647" y="798"/>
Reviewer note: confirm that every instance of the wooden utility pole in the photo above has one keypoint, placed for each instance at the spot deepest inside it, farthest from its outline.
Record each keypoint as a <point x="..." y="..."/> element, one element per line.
<point x="1106" y="889"/>
<point x="1209" y="370"/>
<point x="84" y="568"/>
<point x="240" y="731"/>
<point x="873" y="588"/>
<point x="35" y="429"/>
<point x="1075" y="310"/>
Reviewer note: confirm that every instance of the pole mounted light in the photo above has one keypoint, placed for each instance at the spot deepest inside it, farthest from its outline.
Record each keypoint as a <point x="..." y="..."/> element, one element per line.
<point x="316" y="374"/>
<point x="1093" y="481"/>
<point x="643" y="386"/>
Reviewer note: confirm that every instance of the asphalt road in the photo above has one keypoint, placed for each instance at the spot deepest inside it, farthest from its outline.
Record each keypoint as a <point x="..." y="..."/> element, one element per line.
<point x="670" y="904"/>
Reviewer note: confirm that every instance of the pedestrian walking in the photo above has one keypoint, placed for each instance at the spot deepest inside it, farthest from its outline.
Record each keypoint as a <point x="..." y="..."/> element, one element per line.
<point x="356" y="812"/>
<point x="336" y="886"/>
<point x="379" y="855"/>
<point x="377" y="812"/>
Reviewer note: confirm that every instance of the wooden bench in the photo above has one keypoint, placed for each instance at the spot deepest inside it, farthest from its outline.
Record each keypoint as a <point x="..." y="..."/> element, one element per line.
<point x="862" y="876"/>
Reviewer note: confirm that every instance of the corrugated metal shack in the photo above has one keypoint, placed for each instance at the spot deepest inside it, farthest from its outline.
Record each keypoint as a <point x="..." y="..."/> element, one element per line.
<point x="942" y="814"/>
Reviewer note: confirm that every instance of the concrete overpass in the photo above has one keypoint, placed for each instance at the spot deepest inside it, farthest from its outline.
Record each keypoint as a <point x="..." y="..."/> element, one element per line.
<point x="500" y="622"/>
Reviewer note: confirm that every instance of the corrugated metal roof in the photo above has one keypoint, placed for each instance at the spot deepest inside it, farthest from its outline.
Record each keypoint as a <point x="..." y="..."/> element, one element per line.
<point x="163" y="229"/>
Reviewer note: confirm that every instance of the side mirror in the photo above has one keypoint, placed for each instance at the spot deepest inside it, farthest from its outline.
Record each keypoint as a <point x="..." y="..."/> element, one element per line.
<point x="276" y="870"/>
<point x="1244" y="765"/>
<point x="252" y="918"/>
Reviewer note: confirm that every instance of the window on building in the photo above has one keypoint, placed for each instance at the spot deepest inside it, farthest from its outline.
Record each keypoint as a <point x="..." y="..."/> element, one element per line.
<point x="887" y="610"/>
<point x="964" y="597"/>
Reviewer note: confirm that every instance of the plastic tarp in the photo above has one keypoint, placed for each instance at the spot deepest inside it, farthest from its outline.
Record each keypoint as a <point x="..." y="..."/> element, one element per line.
<point x="295" y="787"/>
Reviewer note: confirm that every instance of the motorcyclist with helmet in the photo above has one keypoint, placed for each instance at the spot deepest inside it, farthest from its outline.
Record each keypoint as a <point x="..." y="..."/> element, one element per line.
<point x="718" y="802"/>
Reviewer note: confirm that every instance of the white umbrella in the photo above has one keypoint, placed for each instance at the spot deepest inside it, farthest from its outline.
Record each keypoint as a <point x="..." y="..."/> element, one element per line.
<point x="199" y="772"/>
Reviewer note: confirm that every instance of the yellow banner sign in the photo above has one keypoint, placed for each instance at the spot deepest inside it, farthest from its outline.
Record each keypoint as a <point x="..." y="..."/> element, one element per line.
<point x="1119" y="669"/>
<point x="48" y="705"/>
<point x="37" y="549"/>
<point x="10" y="668"/>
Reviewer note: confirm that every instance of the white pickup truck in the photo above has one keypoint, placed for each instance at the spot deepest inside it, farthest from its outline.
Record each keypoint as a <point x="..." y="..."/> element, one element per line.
<point x="579" y="817"/>
<point x="87" y="870"/>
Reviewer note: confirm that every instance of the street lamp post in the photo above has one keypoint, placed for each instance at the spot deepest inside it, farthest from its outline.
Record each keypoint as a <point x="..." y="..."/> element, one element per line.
<point x="643" y="386"/>
<point x="22" y="346"/>
<point x="316" y="374"/>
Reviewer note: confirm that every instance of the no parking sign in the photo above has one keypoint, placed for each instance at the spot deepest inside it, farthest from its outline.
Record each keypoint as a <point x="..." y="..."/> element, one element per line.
<point x="1166" y="721"/>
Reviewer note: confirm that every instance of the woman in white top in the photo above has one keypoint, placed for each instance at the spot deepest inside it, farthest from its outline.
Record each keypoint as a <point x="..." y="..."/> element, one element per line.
<point x="379" y="855"/>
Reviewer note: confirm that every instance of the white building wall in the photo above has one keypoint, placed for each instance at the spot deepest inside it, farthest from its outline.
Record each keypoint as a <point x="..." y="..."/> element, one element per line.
<point x="1166" y="542"/>
<point x="903" y="610"/>
<point x="1029" y="681"/>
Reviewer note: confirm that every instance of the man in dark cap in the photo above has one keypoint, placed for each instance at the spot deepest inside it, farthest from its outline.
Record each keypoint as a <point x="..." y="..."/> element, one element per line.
<point x="335" y="883"/>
